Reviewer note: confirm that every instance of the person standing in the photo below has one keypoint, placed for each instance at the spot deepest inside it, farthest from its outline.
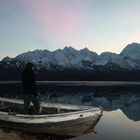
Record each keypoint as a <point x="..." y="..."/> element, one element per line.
<point x="29" y="89"/>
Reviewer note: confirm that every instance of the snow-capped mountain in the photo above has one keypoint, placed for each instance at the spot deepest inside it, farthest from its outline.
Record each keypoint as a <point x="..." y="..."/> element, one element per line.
<point x="84" y="59"/>
<point x="108" y="57"/>
<point x="131" y="54"/>
<point x="66" y="58"/>
<point x="69" y="57"/>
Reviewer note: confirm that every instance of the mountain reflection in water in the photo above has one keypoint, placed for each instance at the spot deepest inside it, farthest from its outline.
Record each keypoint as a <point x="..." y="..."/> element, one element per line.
<point x="125" y="99"/>
<point x="110" y="98"/>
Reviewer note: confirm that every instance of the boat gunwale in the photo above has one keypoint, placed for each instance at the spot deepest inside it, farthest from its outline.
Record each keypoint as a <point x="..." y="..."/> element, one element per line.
<point x="48" y="104"/>
<point x="81" y="109"/>
<point x="52" y="115"/>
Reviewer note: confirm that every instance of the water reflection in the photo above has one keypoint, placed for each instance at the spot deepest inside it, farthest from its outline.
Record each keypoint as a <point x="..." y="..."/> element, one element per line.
<point x="126" y="99"/>
<point x="17" y="135"/>
<point x="49" y="95"/>
<point x="114" y="125"/>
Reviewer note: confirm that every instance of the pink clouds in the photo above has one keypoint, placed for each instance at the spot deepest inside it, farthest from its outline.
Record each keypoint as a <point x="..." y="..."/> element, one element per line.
<point x="60" y="22"/>
<point x="56" y="18"/>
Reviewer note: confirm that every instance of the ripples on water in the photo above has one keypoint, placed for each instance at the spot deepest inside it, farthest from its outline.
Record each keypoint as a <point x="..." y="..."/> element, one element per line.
<point x="121" y="105"/>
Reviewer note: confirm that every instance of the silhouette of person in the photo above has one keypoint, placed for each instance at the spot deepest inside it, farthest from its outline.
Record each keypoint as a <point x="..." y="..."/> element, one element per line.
<point x="29" y="89"/>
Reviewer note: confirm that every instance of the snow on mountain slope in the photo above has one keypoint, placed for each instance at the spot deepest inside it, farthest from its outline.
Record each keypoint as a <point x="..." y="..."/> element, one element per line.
<point x="57" y="58"/>
<point x="66" y="58"/>
<point x="69" y="57"/>
<point x="78" y="58"/>
<point x="108" y="57"/>
<point x="35" y="56"/>
<point x="7" y="59"/>
<point x="73" y="56"/>
<point x="88" y="55"/>
<point x="132" y="51"/>
<point x="131" y="54"/>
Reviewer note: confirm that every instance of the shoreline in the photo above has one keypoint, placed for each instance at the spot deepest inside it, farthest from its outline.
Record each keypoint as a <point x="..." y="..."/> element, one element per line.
<point x="80" y="83"/>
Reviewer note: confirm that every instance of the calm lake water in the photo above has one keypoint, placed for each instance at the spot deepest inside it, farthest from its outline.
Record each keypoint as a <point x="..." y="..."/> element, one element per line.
<point x="121" y="116"/>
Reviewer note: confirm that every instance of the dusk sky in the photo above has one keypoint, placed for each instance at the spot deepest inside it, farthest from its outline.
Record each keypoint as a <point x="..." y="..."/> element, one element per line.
<point x="100" y="25"/>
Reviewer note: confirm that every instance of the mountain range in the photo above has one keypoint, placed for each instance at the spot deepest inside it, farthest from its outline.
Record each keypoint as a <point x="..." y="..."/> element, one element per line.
<point x="72" y="64"/>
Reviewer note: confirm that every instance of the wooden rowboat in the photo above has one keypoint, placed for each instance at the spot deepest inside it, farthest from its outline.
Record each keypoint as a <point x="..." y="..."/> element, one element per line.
<point x="55" y="119"/>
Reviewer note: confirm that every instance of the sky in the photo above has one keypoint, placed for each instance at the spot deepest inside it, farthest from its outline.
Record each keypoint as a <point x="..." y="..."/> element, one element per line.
<point x="99" y="25"/>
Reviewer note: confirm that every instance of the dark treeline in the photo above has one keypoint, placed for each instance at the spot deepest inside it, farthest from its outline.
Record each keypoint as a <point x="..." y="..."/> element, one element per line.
<point x="74" y="75"/>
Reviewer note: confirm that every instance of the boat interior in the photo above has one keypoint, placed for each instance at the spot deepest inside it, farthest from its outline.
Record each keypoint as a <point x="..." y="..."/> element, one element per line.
<point x="17" y="108"/>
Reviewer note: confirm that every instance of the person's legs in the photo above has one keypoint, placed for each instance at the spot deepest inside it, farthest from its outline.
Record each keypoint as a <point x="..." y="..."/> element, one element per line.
<point x="36" y="104"/>
<point x="27" y="101"/>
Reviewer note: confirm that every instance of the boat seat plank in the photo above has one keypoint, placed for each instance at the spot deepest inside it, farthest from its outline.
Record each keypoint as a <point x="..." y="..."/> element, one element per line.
<point x="4" y="107"/>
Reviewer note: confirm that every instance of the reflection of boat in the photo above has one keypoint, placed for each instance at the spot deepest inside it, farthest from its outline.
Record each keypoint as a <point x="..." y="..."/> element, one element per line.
<point x="56" y="119"/>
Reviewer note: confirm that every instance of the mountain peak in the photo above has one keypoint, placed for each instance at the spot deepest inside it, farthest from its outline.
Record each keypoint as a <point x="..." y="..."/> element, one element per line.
<point x="69" y="56"/>
<point x="85" y="49"/>
<point x="132" y="49"/>
<point x="133" y="44"/>
<point x="69" y="48"/>
<point x="7" y="58"/>
<point x="108" y="54"/>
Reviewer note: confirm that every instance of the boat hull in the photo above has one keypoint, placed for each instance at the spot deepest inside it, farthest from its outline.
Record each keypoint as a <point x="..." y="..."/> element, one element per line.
<point x="66" y="124"/>
<point x="69" y="128"/>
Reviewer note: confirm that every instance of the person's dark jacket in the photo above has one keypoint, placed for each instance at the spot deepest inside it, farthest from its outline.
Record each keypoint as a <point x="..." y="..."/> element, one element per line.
<point x="28" y="82"/>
